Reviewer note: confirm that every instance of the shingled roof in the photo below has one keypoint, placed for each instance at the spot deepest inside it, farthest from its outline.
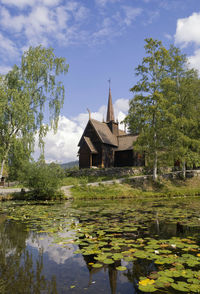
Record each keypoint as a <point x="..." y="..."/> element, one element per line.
<point x="104" y="133"/>
<point x="90" y="145"/>
<point x="125" y="142"/>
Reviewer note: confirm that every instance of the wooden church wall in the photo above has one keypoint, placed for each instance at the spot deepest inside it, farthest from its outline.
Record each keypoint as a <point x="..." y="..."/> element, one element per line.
<point x="84" y="157"/>
<point x="107" y="156"/>
<point x="124" y="158"/>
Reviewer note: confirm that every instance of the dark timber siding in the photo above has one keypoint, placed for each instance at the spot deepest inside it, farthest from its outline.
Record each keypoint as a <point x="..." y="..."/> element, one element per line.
<point x="96" y="158"/>
<point x="84" y="156"/>
<point x="124" y="158"/>
<point x="107" y="156"/>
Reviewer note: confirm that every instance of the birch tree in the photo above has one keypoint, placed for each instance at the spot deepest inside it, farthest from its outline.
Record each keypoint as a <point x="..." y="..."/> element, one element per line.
<point x="25" y="93"/>
<point x="182" y="89"/>
<point x="147" y="108"/>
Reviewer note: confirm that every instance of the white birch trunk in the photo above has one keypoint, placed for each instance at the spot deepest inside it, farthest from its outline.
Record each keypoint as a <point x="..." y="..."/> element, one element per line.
<point x="2" y="166"/>
<point x="155" y="167"/>
<point x="4" y="160"/>
<point x="184" y="170"/>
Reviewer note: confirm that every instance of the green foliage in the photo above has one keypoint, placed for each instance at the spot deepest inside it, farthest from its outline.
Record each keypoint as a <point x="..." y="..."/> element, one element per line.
<point x="43" y="180"/>
<point x="24" y="94"/>
<point x="165" y="107"/>
<point x="19" y="154"/>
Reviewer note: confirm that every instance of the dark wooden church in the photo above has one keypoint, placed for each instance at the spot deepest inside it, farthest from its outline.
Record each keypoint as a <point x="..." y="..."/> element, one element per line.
<point x="103" y="144"/>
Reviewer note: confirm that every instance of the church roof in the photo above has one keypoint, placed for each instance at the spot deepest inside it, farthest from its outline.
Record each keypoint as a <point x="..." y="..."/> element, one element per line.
<point x="104" y="133"/>
<point x="90" y="145"/>
<point x="126" y="142"/>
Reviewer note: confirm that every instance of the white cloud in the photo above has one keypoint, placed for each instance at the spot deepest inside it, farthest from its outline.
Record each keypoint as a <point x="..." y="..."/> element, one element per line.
<point x="187" y="32"/>
<point x="7" y="48"/>
<point x="68" y="22"/>
<point x="21" y="4"/>
<point x="62" y="146"/>
<point x="194" y="61"/>
<point x="168" y="36"/>
<point x="4" y="69"/>
<point x="42" y="24"/>
<point x="105" y="2"/>
<point x="188" y="29"/>
<point x="18" y="3"/>
<point x="130" y="14"/>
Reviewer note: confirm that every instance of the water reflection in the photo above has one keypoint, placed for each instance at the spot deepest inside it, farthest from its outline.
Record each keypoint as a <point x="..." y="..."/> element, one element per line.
<point x="33" y="260"/>
<point x="20" y="272"/>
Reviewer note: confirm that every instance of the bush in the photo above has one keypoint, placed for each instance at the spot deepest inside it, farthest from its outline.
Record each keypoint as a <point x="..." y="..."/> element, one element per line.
<point x="43" y="180"/>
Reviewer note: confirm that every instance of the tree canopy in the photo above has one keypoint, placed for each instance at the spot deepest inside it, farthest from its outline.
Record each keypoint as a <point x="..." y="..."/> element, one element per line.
<point x="164" y="110"/>
<point x="25" y="93"/>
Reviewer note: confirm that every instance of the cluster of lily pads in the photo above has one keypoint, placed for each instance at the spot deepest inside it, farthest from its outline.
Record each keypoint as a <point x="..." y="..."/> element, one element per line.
<point x="176" y="260"/>
<point x="119" y="234"/>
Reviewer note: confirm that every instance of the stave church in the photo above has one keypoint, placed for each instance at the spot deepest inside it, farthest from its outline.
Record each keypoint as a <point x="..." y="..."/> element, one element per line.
<point x="103" y="144"/>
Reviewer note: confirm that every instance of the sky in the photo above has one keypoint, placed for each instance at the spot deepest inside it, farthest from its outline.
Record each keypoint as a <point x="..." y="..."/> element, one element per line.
<point x="101" y="40"/>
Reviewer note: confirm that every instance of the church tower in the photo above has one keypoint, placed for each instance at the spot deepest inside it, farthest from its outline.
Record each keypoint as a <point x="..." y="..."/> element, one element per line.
<point x="110" y="119"/>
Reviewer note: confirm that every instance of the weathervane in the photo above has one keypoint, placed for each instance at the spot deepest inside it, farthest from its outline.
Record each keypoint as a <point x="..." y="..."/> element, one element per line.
<point x="109" y="81"/>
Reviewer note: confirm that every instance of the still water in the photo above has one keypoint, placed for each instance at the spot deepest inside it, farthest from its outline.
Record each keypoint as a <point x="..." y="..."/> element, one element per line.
<point x="119" y="246"/>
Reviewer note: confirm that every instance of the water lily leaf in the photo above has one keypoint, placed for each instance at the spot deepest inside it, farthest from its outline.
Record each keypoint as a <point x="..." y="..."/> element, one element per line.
<point x="121" y="268"/>
<point x="97" y="265"/>
<point x="147" y="288"/>
<point x="117" y="256"/>
<point x="108" y="261"/>
<point x="180" y="286"/>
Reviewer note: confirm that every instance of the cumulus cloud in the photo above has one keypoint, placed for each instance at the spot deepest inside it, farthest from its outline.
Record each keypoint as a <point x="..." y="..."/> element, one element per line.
<point x="187" y="30"/>
<point x="62" y="146"/>
<point x="194" y="61"/>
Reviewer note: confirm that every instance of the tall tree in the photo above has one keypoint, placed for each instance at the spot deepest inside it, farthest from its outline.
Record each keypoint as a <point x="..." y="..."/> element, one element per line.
<point x="182" y="89"/>
<point x="147" y="108"/>
<point x="165" y="113"/>
<point x="25" y="92"/>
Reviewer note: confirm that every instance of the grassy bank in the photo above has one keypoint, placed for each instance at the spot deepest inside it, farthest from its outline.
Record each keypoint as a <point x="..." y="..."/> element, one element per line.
<point x="128" y="189"/>
<point x="131" y="189"/>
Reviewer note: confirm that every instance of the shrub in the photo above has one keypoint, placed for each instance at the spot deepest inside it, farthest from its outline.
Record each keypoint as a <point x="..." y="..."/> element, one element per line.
<point x="43" y="180"/>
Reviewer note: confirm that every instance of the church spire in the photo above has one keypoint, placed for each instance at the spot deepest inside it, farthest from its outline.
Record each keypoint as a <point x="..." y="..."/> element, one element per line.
<point x="110" y="111"/>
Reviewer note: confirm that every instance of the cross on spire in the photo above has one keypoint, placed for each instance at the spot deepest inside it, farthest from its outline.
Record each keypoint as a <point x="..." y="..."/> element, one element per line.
<point x="109" y="81"/>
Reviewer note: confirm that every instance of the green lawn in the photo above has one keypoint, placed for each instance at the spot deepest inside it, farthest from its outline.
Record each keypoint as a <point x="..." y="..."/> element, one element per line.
<point x="129" y="189"/>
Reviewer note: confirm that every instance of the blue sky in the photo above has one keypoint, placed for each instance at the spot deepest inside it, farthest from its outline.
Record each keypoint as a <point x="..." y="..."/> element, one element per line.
<point x="100" y="39"/>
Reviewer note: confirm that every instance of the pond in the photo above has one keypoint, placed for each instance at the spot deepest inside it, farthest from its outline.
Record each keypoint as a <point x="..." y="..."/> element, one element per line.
<point x="119" y="246"/>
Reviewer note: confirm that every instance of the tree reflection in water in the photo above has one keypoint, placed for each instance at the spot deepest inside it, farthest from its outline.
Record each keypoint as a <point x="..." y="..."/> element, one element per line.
<point x="18" y="273"/>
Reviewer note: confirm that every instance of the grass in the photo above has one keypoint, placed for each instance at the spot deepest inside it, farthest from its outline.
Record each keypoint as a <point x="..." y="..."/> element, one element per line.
<point x="131" y="189"/>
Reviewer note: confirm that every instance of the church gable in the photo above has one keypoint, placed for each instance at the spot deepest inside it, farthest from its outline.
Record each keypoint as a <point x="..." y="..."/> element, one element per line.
<point x="91" y="133"/>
